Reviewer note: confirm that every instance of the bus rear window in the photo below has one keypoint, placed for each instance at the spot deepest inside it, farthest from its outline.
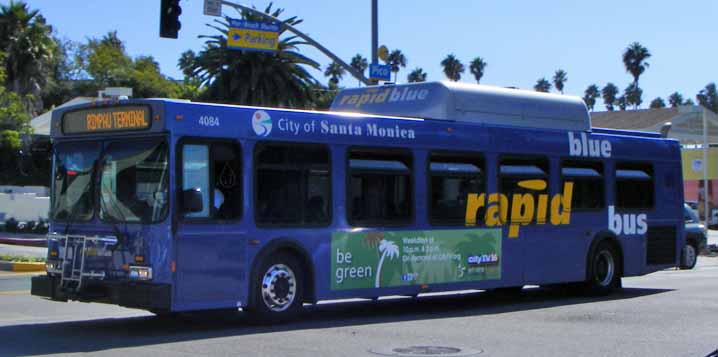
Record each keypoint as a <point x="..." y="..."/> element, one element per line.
<point x="292" y="185"/>
<point x="379" y="191"/>
<point x="634" y="185"/>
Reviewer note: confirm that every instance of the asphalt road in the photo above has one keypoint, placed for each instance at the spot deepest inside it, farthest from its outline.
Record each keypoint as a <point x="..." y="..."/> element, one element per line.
<point x="669" y="313"/>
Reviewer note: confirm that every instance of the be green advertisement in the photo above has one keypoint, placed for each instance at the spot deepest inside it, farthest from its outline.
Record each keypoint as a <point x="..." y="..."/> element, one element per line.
<point x="401" y="258"/>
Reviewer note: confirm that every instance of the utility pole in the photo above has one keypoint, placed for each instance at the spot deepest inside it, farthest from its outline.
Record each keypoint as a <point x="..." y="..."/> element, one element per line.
<point x="324" y="50"/>
<point x="374" y="34"/>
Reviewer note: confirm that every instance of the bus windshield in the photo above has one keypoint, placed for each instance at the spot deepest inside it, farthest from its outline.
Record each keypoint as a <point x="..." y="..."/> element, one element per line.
<point x="72" y="194"/>
<point x="132" y="185"/>
<point x="134" y="178"/>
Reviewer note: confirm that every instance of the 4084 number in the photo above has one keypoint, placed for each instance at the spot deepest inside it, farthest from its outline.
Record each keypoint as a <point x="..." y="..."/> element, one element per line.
<point x="207" y="120"/>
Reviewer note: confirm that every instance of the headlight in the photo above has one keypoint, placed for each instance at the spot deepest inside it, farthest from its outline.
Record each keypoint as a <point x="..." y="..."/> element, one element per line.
<point x="53" y="267"/>
<point x="140" y="273"/>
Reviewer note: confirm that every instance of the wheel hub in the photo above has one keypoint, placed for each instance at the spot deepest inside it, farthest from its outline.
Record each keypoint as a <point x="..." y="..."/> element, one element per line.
<point x="279" y="287"/>
<point x="604" y="268"/>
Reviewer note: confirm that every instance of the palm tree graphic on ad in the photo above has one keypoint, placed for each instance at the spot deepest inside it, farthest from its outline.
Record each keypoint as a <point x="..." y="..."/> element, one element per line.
<point x="389" y="249"/>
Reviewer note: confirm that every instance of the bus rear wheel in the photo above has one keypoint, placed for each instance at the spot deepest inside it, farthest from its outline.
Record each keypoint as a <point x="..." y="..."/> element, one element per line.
<point x="278" y="289"/>
<point x="604" y="270"/>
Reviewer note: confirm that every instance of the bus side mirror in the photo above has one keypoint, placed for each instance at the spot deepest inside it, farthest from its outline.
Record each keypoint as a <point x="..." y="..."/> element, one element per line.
<point x="192" y="200"/>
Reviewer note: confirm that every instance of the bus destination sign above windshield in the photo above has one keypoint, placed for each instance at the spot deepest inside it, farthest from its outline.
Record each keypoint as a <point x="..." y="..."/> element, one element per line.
<point x="94" y="120"/>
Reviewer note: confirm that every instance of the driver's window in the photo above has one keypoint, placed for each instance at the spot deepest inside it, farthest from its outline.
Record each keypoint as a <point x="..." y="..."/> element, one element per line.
<point x="195" y="175"/>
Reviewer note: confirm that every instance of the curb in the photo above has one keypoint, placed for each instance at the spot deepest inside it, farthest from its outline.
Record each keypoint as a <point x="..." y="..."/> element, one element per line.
<point x="31" y="242"/>
<point x="21" y="266"/>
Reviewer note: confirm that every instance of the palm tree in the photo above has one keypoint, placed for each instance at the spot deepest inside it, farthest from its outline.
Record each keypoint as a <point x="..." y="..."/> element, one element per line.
<point x="30" y="49"/>
<point x="559" y="79"/>
<point x="542" y="85"/>
<point x="417" y="75"/>
<point x="622" y="102"/>
<point x="634" y="58"/>
<point x="389" y="249"/>
<point x="453" y="68"/>
<point x="657" y="103"/>
<point x="477" y="67"/>
<point x="609" y="93"/>
<point x="708" y="97"/>
<point x="335" y="72"/>
<point x="590" y="96"/>
<point x="675" y="99"/>
<point x="396" y="60"/>
<point x="360" y="64"/>
<point x="255" y="78"/>
<point x="633" y="95"/>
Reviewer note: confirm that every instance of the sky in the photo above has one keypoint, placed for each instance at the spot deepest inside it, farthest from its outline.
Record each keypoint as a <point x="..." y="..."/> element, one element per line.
<point x="521" y="41"/>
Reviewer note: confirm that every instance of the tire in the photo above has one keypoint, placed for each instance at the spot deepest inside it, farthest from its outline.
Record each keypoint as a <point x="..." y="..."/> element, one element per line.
<point x="689" y="256"/>
<point x="604" y="270"/>
<point x="277" y="289"/>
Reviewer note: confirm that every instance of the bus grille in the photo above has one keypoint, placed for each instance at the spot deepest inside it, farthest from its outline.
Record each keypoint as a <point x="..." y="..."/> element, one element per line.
<point x="661" y="245"/>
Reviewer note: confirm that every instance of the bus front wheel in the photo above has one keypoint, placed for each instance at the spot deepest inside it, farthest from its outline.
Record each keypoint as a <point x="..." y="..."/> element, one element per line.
<point x="278" y="289"/>
<point x="604" y="269"/>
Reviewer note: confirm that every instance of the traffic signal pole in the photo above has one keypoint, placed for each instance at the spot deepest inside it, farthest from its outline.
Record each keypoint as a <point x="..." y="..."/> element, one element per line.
<point x="324" y="50"/>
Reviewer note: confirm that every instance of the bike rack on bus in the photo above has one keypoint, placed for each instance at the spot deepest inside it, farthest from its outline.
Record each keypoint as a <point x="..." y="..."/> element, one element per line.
<point x="72" y="270"/>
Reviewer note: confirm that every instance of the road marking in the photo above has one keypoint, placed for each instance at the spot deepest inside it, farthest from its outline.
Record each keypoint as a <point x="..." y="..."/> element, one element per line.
<point x="15" y="292"/>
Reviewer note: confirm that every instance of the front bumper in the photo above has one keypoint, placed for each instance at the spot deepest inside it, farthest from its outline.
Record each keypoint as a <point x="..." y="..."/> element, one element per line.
<point x="139" y="295"/>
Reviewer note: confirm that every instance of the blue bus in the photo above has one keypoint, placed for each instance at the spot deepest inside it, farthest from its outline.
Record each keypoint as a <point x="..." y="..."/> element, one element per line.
<point x="174" y="206"/>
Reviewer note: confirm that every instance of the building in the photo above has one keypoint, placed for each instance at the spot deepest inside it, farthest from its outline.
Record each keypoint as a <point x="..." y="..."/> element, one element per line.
<point x="694" y="126"/>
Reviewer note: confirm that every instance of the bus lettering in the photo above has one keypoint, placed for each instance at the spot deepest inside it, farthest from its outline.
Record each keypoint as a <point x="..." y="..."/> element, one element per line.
<point x="524" y="208"/>
<point x="583" y="146"/>
<point x="628" y="224"/>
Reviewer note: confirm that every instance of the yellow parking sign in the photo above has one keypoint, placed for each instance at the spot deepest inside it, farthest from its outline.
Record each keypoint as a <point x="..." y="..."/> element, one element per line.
<point x="253" y="36"/>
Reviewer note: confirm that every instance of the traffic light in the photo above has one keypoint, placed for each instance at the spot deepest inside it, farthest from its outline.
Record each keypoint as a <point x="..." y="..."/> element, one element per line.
<point x="169" y="18"/>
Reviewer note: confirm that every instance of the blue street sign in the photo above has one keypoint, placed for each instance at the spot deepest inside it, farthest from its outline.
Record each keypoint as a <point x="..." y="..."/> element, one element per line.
<point x="379" y="72"/>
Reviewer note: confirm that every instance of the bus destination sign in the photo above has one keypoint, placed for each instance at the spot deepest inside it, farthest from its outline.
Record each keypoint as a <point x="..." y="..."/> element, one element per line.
<point x="126" y="117"/>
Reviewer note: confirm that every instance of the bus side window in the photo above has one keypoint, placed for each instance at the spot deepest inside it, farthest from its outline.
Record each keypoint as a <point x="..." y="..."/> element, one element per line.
<point x="293" y="185"/>
<point x="452" y="177"/>
<point x="634" y="185"/>
<point x="379" y="190"/>
<point x="515" y="169"/>
<point x="588" y="183"/>
<point x="216" y="170"/>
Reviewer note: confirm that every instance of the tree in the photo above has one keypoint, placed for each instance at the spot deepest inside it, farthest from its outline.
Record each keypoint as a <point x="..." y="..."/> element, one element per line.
<point x="633" y="95"/>
<point x="255" y="78"/>
<point x="335" y="72"/>
<point x="13" y="116"/>
<point x="675" y="99"/>
<point x="396" y="60"/>
<point x="106" y="61"/>
<point x="689" y="101"/>
<point x="453" y="68"/>
<point x="621" y="102"/>
<point x="559" y="79"/>
<point x="634" y="58"/>
<point x="590" y="96"/>
<point x="542" y="85"/>
<point x="417" y="75"/>
<point x="609" y="93"/>
<point x="477" y="67"/>
<point x="708" y="97"/>
<point x="657" y="103"/>
<point x="359" y="64"/>
<point x="29" y="47"/>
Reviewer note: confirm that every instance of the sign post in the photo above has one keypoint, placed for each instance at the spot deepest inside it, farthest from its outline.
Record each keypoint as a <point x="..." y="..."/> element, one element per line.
<point x="213" y="7"/>
<point x="253" y="36"/>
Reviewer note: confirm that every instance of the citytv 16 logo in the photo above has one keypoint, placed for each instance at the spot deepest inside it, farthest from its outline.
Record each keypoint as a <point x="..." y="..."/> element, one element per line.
<point x="261" y="123"/>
